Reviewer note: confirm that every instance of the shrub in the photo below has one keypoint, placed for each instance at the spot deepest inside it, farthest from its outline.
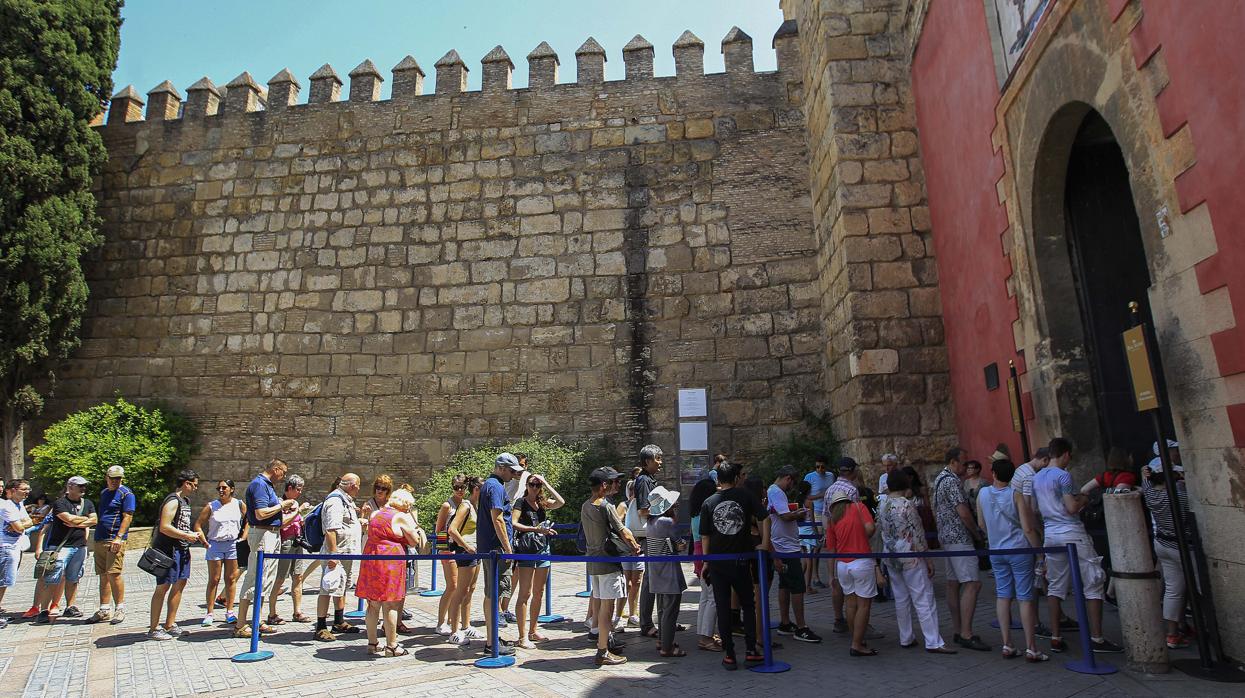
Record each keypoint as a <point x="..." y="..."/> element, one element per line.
<point x="565" y="466"/>
<point x="151" y="443"/>
<point x="800" y="448"/>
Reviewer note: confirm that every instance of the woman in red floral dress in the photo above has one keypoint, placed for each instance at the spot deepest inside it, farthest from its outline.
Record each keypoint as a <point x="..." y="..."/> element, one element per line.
<point x="383" y="582"/>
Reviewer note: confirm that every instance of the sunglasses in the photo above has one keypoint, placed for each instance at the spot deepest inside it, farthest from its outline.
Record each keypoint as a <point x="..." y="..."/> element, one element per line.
<point x="536" y="484"/>
<point x="459" y="488"/>
<point x="222" y="488"/>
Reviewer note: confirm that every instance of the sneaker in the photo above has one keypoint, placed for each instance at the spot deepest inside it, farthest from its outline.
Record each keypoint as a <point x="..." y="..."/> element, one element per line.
<point x="510" y="617"/>
<point x="806" y="635"/>
<point x="54" y="611"/>
<point x="231" y="618"/>
<point x="443" y="629"/>
<point x="1042" y="631"/>
<point x="473" y="634"/>
<point x="633" y="621"/>
<point x="1176" y="642"/>
<point x="118" y="616"/>
<point x="1105" y="646"/>
<point x="4" y="622"/>
<point x="608" y="658"/>
<point x="1058" y="645"/>
<point x="503" y="650"/>
<point x="620" y="624"/>
<point x="753" y="656"/>
<point x="820" y="584"/>
<point x="72" y="612"/>
<point x="325" y="635"/>
<point x="344" y="628"/>
<point x="43" y="618"/>
<point x="176" y="631"/>
<point x="729" y="663"/>
<point x="159" y="634"/>
<point x="34" y="611"/>
<point x="208" y="621"/>
<point x="1067" y="623"/>
<point x="840" y="625"/>
<point x="787" y="629"/>
<point x="100" y="616"/>
<point x="592" y="631"/>
<point x="459" y="638"/>
<point x="971" y="643"/>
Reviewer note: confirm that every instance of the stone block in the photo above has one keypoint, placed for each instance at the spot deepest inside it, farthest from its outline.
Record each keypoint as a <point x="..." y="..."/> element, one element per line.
<point x="873" y="362"/>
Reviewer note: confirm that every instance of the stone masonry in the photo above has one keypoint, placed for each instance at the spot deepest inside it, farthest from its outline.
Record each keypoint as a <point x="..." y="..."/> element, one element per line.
<point x="375" y="284"/>
<point x="886" y="373"/>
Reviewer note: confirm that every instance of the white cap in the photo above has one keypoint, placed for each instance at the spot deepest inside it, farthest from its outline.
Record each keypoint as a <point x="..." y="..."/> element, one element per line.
<point x="116" y="471"/>
<point x="1171" y="443"/>
<point x="76" y="480"/>
<point x="1156" y="466"/>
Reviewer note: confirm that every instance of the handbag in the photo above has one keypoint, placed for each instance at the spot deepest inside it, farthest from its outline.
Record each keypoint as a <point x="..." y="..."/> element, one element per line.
<point x="529" y="543"/>
<point x="155" y="562"/>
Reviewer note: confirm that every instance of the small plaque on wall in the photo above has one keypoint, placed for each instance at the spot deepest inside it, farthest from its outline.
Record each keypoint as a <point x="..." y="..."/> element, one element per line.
<point x="992" y="377"/>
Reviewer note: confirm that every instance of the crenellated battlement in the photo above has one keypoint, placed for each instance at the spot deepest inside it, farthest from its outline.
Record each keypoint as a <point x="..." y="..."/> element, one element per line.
<point x="243" y="94"/>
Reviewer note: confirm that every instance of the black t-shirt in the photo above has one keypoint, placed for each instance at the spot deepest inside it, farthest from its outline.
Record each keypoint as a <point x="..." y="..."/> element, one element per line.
<point x="181" y="521"/>
<point x="727" y="518"/>
<point x="643" y="487"/>
<point x="72" y="537"/>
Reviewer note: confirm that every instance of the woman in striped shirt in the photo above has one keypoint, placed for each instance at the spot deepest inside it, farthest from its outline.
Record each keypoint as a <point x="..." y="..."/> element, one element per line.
<point x="1166" y="550"/>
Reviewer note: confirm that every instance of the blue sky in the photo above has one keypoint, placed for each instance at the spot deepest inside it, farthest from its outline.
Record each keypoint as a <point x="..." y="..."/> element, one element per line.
<point x="182" y="41"/>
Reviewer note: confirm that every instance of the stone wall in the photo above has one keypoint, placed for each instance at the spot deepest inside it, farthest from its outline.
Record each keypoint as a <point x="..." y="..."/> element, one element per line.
<point x="375" y="284"/>
<point x="886" y="373"/>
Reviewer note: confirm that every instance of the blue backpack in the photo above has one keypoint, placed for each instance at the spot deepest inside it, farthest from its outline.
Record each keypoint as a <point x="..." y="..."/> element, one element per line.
<point x="313" y="527"/>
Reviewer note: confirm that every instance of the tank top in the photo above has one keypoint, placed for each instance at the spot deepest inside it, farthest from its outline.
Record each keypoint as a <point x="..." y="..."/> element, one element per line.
<point x="1002" y="519"/>
<point x="226" y="520"/>
<point x="468" y="529"/>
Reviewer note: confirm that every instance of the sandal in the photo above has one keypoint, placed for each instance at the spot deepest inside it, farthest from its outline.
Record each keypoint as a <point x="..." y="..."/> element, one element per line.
<point x="676" y="652"/>
<point x="373" y="648"/>
<point x="537" y="637"/>
<point x="1010" y="652"/>
<point x="301" y="618"/>
<point x="396" y="651"/>
<point x="276" y="620"/>
<point x="1038" y="656"/>
<point x="404" y="629"/>
<point x="651" y="632"/>
<point x="869" y="652"/>
<point x="265" y="629"/>
<point x="714" y="646"/>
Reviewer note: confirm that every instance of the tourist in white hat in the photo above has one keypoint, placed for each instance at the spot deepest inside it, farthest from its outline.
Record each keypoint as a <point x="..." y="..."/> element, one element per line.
<point x="665" y="579"/>
<point x="116" y="511"/>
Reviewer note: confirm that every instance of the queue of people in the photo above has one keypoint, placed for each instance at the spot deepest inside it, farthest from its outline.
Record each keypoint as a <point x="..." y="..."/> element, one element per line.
<point x="1031" y="505"/>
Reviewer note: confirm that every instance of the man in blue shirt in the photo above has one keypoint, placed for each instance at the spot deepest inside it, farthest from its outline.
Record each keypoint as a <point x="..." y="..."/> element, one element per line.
<point x="116" y="511"/>
<point x="820" y="479"/>
<point x="495" y="532"/>
<point x="263" y="516"/>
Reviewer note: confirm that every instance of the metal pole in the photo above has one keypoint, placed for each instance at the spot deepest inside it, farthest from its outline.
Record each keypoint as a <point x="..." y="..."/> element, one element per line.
<point x="255" y="655"/>
<point x="495" y="661"/>
<point x="1087" y="664"/>
<point x="770" y="666"/>
<point x="587" y="592"/>
<point x="434" y="591"/>
<point x="1024" y="432"/>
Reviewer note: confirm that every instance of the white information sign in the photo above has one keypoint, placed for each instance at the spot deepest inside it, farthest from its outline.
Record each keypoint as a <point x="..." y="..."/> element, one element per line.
<point x="693" y="436"/>
<point x="693" y="403"/>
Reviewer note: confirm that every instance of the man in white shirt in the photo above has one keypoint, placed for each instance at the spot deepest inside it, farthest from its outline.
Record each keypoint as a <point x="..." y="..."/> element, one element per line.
<point x="13" y="538"/>
<point x="890" y="463"/>
<point x="343" y="535"/>
<point x="784" y="537"/>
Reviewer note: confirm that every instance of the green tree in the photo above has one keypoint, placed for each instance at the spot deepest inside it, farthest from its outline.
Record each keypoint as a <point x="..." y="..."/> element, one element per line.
<point x="56" y="63"/>
<point x="151" y="443"/>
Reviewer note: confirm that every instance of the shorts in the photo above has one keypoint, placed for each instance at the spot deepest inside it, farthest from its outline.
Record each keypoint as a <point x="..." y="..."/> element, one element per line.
<point x="222" y="550"/>
<point x="808" y="545"/>
<point x="961" y="568"/>
<point x="857" y="577"/>
<point x="10" y="556"/>
<point x="1058" y="573"/>
<point x="632" y="566"/>
<point x="1013" y="576"/>
<point x="291" y="568"/>
<point x="338" y="590"/>
<point x="536" y="564"/>
<point x="68" y="567"/>
<point x="106" y="561"/>
<point x="791" y="578"/>
<point x="455" y="550"/>
<point x="505" y="572"/>
<point x="609" y="586"/>
<point x="180" y="571"/>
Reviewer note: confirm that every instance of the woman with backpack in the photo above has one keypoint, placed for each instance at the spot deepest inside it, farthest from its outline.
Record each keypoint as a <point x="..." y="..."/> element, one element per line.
<point x="533" y="530"/>
<point x="462" y="533"/>
<point x="225" y="519"/>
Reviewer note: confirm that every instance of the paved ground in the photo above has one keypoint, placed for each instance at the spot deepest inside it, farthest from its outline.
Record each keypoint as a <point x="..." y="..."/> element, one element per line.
<point x="69" y="658"/>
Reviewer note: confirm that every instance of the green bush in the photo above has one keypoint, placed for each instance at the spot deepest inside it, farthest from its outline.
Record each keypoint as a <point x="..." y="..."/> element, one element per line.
<point x="565" y="466"/>
<point x="800" y="448"/>
<point x="151" y="443"/>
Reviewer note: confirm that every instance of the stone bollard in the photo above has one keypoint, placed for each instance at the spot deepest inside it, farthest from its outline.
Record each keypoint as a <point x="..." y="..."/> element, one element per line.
<point x="1137" y="585"/>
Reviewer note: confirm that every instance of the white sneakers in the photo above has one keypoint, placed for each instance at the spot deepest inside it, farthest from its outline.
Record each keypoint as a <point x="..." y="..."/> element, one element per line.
<point x="208" y="621"/>
<point x="459" y="638"/>
<point x="473" y="634"/>
<point x="443" y="629"/>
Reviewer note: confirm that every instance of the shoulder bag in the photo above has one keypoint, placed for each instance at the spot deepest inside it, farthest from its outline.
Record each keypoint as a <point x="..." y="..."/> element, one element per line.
<point x="155" y="561"/>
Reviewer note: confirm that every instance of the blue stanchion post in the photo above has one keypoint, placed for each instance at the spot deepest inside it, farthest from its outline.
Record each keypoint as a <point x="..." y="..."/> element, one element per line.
<point x="434" y="591"/>
<point x="1087" y="664"/>
<point x="770" y="666"/>
<point x="550" y="616"/>
<point x="496" y="660"/>
<point x="587" y="592"/>
<point x="256" y="654"/>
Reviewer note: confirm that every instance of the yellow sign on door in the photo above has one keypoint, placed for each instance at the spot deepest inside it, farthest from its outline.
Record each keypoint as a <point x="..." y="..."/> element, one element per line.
<point x="1138" y="353"/>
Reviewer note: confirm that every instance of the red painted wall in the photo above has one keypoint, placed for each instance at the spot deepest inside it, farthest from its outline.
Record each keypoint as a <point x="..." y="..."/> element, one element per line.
<point x="956" y="92"/>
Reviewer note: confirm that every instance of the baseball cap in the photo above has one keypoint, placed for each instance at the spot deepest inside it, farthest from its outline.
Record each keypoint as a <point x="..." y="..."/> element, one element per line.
<point x="508" y="460"/>
<point x="76" y="480"/>
<point x="603" y="475"/>
<point x="846" y="464"/>
<point x="116" y="471"/>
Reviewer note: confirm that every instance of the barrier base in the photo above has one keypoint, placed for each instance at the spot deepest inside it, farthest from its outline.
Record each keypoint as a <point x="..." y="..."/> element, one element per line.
<point x="259" y="656"/>
<point x="550" y="618"/>
<point x="585" y="594"/>
<point x="771" y="668"/>
<point x="1082" y="666"/>
<point x="1221" y="672"/>
<point x="498" y="662"/>
<point x="432" y="592"/>
<point x="356" y="614"/>
<point x="1015" y="625"/>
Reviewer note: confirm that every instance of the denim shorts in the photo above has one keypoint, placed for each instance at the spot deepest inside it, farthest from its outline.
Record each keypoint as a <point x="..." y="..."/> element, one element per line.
<point x="180" y="571"/>
<point x="69" y="565"/>
<point x="222" y="550"/>
<point x="1013" y="576"/>
<point x="10" y="555"/>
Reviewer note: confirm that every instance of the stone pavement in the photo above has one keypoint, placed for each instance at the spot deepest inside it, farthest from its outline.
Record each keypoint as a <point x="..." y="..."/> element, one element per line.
<point x="70" y="658"/>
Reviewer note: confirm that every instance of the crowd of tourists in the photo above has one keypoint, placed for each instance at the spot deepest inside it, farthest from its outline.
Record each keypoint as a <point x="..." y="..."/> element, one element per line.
<point x="728" y="511"/>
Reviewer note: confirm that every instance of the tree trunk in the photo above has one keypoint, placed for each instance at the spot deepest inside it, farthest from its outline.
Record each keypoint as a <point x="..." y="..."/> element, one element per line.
<point x="14" y="444"/>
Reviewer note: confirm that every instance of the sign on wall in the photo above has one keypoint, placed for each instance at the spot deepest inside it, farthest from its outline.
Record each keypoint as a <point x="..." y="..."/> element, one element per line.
<point x="1012" y="25"/>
